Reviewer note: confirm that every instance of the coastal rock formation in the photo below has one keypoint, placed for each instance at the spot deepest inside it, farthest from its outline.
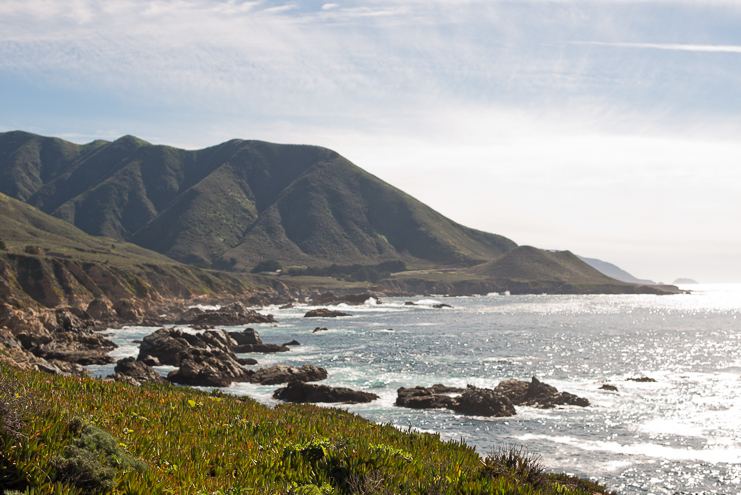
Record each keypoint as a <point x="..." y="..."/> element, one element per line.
<point x="426" y="398"/>
<point x="537" y="394"/>
<point x="135" y="372"/>
<point x="324" y="313"/>
<point x="231" y="315"/>
<point x="291" y="343"/>
<point x="208" y="368"/>
<point x="472" y="400"/>
<point x="76" y="348"/>
<point x="319" y="329"/>
<point x="281" y="373"/>
<point x="265" y="348"/>
<point x="441" y="306"/>
<point x="483" y="402"/>
<point x="248" y="336"/>
<point x="329" y="298"/>
<point x="167" y="345"/>
<point x="643" y="379"/>
<point x="497" y="402"/>
<point x="607" y="386"/>
<point x="307" y="392"/>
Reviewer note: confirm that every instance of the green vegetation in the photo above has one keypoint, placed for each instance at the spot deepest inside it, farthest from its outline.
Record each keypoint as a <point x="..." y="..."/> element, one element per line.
<point x="352" y="273"/>
<point x="91" y="436"/>
<point x="246" y="201"/>
<point x="266" y="266"/>
<point x="3" y="247"/>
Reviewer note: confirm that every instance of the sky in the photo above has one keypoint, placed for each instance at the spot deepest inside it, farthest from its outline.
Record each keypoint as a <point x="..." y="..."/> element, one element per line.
<point x="606" y="127"/>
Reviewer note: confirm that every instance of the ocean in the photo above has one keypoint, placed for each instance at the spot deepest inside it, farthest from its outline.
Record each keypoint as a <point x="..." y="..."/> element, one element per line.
<point x="681" y="433"/>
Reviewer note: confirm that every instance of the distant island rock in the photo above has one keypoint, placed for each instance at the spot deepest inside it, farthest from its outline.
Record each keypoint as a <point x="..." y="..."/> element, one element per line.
<point x="685" y="281"/>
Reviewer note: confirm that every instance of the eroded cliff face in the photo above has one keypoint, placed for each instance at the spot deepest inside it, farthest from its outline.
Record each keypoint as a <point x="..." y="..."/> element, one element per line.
<point x="28" y="280"/>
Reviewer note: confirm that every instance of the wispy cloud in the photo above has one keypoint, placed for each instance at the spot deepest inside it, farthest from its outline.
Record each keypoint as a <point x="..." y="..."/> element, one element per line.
<point x="669" y="46"/>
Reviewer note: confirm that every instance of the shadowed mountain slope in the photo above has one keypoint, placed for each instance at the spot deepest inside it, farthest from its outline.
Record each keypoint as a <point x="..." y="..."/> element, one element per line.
<point x="234" y="204"/>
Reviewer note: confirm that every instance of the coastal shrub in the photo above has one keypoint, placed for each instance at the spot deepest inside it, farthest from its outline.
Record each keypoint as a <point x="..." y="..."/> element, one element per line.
<point x="267" y="266"/>
<point x="3" y="247"/>
<point x="516" y="462"/>
<point x="91" y="461"/>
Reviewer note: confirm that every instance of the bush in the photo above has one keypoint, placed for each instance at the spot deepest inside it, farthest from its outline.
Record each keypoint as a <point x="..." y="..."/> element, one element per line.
<point x="90" y="463"/>
<point x="515" y="461"/>
<point x="3" y="247"/>
<point x="267" y="266"/>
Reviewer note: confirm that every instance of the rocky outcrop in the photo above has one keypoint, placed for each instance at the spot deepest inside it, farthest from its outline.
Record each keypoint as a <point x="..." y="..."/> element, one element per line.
<point x="264" y="348"/>
<point x="426" y="398"/>
<point x="441" y="306"/>
<point x="497" y="402"/>
<point x="472" y="400"/>
<point x="324" y="313"/>
<point x="13" y="353"/>
<point x="330" y="298"/>
<point x="75" y="348"/>
<point x="607" y="386"/>
<point x="231" y="315"/>
<point x="135" y="372"/>
<point x="281" y="373"/>
<point x="483" y="402"/>
<point x="248" y="336"/>
<point x="643" y="379"/>
<point x="537" y="394"/>
<point x="307" y="392"/>
<point x="208" y="368"/>
<point x="291" y="343"/>
<point x="168" y="345"/>
<point x="319" y="329"/>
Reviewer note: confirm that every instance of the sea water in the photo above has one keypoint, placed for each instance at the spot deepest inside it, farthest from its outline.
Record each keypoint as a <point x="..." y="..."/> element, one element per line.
<point x="681" y="433"/>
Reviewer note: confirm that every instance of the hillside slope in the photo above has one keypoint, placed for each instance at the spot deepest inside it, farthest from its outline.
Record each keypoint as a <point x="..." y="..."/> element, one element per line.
<point x="234" y="204"/>
<point x="50" y="262"/>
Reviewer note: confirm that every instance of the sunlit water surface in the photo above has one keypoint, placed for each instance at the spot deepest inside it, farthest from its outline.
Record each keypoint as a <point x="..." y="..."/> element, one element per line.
<point x="680" y="434"/>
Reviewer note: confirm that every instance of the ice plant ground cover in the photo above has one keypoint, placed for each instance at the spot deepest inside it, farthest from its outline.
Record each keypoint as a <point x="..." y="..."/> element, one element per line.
<point x="83" y="435"/>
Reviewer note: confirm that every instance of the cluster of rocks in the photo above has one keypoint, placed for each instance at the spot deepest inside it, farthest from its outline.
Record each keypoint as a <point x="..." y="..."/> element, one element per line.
<point x="59" y="341"/>
<point x="496" y="402"/>
<point x="308" y="392"/>
<point x="324" y="313"/>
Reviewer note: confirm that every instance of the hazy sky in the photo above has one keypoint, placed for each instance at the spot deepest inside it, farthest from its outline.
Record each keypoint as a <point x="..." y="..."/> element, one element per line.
<point x="606" y="127"/>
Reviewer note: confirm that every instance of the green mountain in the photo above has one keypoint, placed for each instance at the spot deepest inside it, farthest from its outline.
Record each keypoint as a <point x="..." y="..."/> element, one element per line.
<point x="235" y="204"/>
<point x="47" y="261"/>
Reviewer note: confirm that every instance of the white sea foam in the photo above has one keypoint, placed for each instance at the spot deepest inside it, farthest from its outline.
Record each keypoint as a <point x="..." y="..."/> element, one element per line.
<point x="717" y="455"/>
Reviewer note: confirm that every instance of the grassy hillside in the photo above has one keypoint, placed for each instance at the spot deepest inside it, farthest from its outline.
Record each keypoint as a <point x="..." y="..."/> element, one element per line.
<point x="234" y="204"/>
<point x="527" y="263"/>
<point x="48" y="261"/>
<point x="87" y="436"/>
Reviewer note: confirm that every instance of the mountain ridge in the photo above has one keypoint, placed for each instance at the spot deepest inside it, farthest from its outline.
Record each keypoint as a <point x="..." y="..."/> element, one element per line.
<point x="234" y="204"/>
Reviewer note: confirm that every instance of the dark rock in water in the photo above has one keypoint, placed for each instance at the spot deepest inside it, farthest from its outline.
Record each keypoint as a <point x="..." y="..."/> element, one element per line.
<point x="293" y="342"/>
<point x="231" y="315"/>
<point x="281" y="373"/>
<point x="643" y="379"/>
<point x="265" y="348"/>
<point x="247" y="361"/>
<point x="483" y="402"/>
<point x="149" y="360"/>
<point x="330" y="298"/>
<point x="206" y="368"/>
<point x="609" y="387"/>
<point x="169" y="344"/>
<point x="515" y="390"/>
<point x="137" y="370"/>
<point x="537" y="394"/>
<point x="324" y="313"/>
<point x="410" y="303"/>
<point x="424" y="398"/>
<point x="319" y="329"/>
<point x="307" y="392"/>
<point x="248" y="336"/>
<point x="441" y="306"/>
<point x="77" y="348"/>
<point x="286" y="306"/>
